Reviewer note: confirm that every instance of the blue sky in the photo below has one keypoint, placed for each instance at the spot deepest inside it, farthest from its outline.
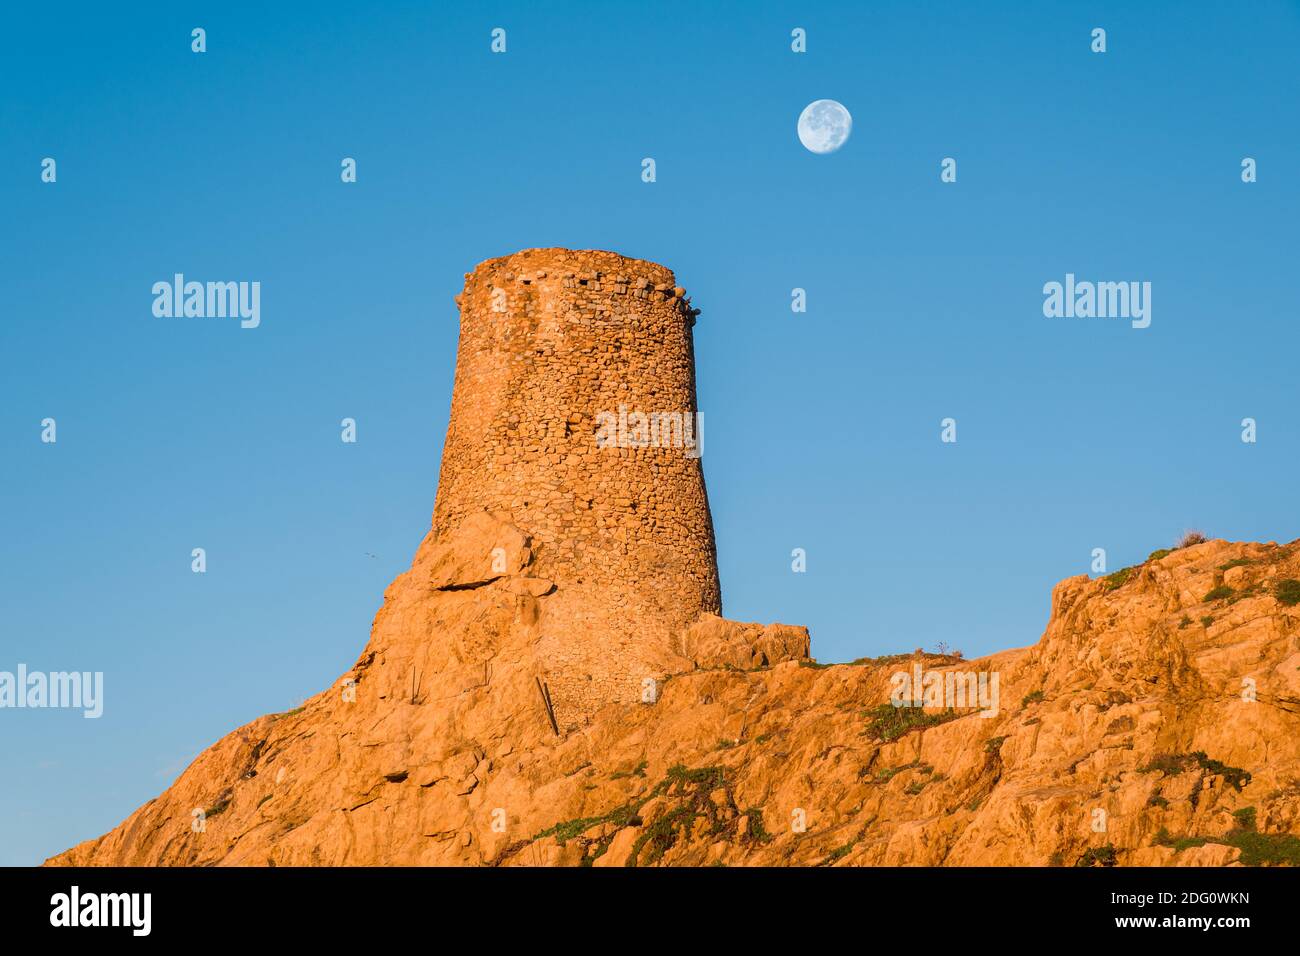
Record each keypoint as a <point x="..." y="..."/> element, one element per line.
<point x="822" y="429"/>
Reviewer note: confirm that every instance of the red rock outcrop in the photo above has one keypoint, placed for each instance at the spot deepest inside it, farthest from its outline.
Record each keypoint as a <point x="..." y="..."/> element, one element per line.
<point x="1157" y="721"/>
<point x="1148" y="726"/>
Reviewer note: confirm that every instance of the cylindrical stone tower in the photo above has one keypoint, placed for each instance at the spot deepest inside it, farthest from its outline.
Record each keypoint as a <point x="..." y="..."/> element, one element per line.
<point x="574" y="413"/>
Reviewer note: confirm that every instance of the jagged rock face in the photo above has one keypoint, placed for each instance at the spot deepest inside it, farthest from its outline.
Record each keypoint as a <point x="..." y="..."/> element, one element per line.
<point x="574" y="417"/>
<point x="550" y="682"/>
<point x="1149" y="725"/>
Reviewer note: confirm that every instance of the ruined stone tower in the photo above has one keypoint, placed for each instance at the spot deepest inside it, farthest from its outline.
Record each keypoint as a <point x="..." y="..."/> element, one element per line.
<point x="573" y="415"/>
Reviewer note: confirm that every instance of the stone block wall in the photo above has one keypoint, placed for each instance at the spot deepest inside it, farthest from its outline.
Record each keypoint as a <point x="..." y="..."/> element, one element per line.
<point x="561" y="353"/>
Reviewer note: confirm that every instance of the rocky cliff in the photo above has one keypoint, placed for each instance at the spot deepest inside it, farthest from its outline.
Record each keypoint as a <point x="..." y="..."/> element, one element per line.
<point x="1157" y="721"/>
<point x="551" y="683"/>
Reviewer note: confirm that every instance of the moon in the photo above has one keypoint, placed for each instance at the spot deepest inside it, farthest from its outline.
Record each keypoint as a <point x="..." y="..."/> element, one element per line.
<point x="824" y="126"/>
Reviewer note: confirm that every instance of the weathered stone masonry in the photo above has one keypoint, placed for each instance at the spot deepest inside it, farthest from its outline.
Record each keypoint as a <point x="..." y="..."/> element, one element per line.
<point x="550" y="338"/>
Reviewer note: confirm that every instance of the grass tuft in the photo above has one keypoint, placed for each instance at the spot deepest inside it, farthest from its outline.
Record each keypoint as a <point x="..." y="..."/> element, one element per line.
<point x="1118" y="579"/>
<point x="1098" y="856"/>
<point x="888" y="722"/>
<point x="1287" y="592"/>
<point x="1174" y="764"/>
